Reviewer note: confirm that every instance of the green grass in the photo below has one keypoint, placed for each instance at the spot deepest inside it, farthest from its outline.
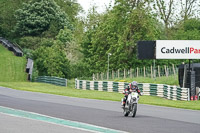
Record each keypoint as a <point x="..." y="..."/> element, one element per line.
<point x="12" y="68"/>
<point x="154" y="100"/>
<point x="70" y="91"/>
<point x="171" y="80"/>
<point x="65" y="91"/>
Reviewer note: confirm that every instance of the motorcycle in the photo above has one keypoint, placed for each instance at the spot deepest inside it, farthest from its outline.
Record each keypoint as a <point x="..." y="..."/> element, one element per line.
<point x="131" y="104"/>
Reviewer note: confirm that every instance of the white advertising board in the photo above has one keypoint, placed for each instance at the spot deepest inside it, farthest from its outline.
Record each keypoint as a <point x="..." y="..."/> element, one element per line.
<point x="178" y="49"/>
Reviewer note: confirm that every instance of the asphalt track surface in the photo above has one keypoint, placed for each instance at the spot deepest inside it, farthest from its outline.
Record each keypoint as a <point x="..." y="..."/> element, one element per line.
<point x="12" y="124"/>
<point x="149" y="119"/>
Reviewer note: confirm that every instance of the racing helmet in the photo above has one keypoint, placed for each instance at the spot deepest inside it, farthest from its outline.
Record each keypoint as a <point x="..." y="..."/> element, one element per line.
<point x="134" y="83"/>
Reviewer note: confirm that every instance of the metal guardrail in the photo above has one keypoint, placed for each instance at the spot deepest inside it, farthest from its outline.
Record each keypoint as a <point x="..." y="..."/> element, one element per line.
<point x="52" y="80"/>
<point x="11" y="47"/>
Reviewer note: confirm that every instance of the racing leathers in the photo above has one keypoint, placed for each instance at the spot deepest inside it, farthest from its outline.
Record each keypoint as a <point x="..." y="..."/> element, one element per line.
<point x="127" y="91"/>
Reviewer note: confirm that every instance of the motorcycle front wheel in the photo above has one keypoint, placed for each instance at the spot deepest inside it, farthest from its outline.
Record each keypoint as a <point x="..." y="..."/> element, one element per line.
<point x="134" y="110"/>
<point x="126" y="112"/>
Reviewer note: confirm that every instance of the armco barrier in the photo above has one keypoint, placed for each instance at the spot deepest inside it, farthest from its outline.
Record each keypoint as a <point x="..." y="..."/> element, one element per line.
<point x="12" y="47"/>
<point x="55" y="81"/>
<point x="160" y="90"/>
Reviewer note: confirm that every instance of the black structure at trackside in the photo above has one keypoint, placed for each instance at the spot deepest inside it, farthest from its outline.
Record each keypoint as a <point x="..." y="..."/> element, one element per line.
<point x="192" y="77"/>
<point x="12" y="47"/>
<point x="146" y="50"/>
<point x="195" y="67"/>
<point x="29" y="68"/>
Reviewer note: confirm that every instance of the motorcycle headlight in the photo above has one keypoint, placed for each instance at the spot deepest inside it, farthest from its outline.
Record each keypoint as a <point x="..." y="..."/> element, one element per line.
<point x="134" y="99"/>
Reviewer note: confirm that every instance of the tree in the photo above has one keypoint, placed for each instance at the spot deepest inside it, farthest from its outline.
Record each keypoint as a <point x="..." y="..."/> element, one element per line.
<point x="71" y="7"/>
<point x="31" y="42"/>
<point x="117" y="32"/>
<point x="36" y="17"/>
<point x="67" y="42"/>
<point x="165" y="11"/>
<point x="65" y="36"/>
<point x="7" y="19"/>
<point x="188" y="8"/>
<point x="188" y="30"/>
<point x="52" y="61"/>
<point x="87" y="47"/>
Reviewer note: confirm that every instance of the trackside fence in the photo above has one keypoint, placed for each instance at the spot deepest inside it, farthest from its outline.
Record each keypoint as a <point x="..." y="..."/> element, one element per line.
<point x="160" y="90"/>
<point x="52" y="80"/>
<point x="150" y="72"/>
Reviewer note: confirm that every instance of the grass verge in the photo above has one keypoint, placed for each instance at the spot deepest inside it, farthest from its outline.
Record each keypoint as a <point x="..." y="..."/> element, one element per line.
<point x="65" y="91"/>
<point x="112" y="96"/>
<point x="171" y="80"/>
<point x="12" y="68"/>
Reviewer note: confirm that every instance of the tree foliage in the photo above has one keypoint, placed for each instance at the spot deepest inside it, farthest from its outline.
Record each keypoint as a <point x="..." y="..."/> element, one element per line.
<point x="52" y="61"/>
<point x="65" y="35"/>
<point x="31" y="42"/>
<point x="38" y="16"/>
<point x="188" y="8"/>
<point x="7" y="19"/>
<point x="71" y="7"/>
<point x="67" y="41"/>
<point x="188" y="30"/>
<point x="117" y="32"/>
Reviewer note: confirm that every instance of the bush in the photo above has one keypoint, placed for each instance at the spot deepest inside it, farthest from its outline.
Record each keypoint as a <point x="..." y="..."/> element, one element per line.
<point x="28" y="53"/>
<point x="29" y="42"/>
<point x="52" y="61"/>
<point x="80" y="69"/>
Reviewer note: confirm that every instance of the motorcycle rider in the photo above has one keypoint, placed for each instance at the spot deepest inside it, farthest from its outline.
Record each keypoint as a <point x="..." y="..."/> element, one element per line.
<point x="133" y="86"/>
